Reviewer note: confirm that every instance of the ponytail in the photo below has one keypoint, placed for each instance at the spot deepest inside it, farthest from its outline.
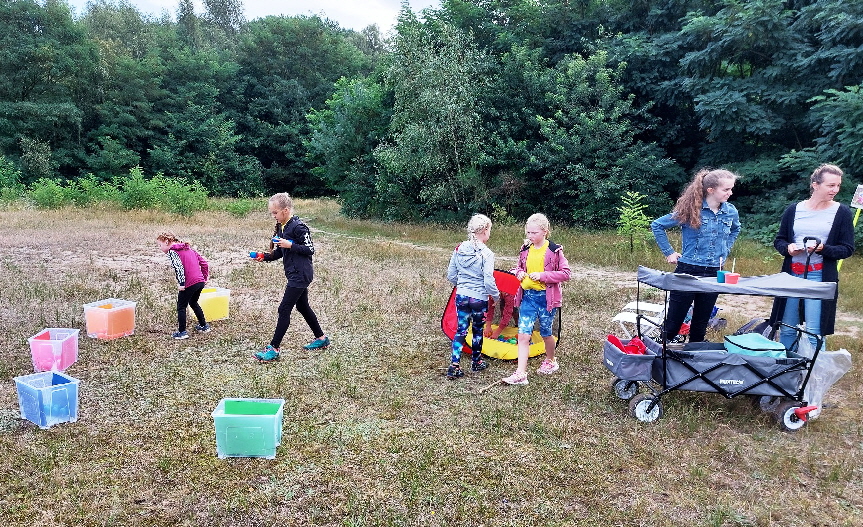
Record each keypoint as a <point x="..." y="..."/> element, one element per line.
<point x="168" y="237"/>
<point x="687" y="210"/>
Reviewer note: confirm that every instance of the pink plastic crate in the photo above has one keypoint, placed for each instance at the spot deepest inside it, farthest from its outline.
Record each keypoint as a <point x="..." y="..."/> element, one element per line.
<point x="54" y="349"/>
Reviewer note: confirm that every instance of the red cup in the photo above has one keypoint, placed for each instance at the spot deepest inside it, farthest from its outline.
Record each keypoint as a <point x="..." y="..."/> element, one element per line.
<point x="731" y="278"/>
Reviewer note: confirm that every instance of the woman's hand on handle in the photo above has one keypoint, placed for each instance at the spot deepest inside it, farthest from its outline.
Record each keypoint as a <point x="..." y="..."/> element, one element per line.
<point x="672" y="258"/>
<point x="793" y="250"/>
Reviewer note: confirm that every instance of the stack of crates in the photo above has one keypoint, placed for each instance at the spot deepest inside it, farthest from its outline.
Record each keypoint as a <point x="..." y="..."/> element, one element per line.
<point x="49" y="396"/>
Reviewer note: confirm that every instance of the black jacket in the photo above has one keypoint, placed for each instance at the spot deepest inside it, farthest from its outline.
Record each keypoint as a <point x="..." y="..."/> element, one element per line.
<point x="838" y="246"/>
<point x="298" y="259"/>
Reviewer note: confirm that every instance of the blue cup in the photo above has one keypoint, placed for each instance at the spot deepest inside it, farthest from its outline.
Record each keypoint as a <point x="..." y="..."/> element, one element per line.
<point x="720" y="276"/>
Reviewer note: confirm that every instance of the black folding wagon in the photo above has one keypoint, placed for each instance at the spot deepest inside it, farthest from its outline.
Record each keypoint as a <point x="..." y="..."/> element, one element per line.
<point x="775" y="378"/>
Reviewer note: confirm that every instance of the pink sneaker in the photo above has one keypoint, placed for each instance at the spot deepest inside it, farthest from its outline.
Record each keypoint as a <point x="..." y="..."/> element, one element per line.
<point x="516" y="378"/>
<point x="548" y="367"/>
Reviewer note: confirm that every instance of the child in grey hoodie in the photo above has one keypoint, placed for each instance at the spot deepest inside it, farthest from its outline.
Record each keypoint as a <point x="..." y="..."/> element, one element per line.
<point x="471" y="271"/>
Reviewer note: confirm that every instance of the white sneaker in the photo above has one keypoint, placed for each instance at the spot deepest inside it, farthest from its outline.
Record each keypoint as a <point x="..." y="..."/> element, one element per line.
<point x="548" y="367"/>
<point x="516" y="378"/>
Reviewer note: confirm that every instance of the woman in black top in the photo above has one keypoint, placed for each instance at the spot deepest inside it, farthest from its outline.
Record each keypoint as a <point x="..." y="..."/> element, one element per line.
<point x="830" y="222"/>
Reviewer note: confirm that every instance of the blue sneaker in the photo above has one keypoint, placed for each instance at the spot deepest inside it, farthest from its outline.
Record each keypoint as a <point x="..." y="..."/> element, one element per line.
<point x="181" y="335"/>
<point x="269" y="354"/>
<point x="317" y="344"/>
<point x="203" y="329"/>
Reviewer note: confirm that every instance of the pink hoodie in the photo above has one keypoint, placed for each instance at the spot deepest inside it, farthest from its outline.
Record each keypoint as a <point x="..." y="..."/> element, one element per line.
<point x="556" y="270"/>
<point x="189" y="266"/>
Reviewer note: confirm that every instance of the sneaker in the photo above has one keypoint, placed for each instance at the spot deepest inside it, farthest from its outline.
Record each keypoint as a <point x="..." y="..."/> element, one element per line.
<point x="268" y="355"/>
<point x="478" y="365"/>
<point x="548" y="367"/>
<point x="203" y="329"/>
<point x="516" y="378"/>
<point x="454" y="372"/>
<point x="317" y="344"/>
<point x="180" y="335"/>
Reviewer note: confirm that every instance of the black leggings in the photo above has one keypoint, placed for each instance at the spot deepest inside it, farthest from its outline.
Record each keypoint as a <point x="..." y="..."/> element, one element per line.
<point x="188" y="297"/>
<point x="702" y="305"/>
<point x="299" y="297"/>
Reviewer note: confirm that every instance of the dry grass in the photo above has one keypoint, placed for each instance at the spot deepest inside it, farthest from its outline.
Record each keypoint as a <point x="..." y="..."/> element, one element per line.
<point x="374" y="433"/>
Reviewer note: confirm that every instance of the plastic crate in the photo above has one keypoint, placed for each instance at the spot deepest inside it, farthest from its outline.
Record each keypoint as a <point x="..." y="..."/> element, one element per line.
<point x="214" y="301"/>
<point x="48" y="398"/>
<point x="54" y="349"/>
<point x="248" y="427"/>
<point x="110" y="318"/>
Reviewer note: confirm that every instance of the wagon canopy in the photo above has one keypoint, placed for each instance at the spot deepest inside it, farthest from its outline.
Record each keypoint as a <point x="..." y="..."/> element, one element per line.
<point x="777" y="285"/>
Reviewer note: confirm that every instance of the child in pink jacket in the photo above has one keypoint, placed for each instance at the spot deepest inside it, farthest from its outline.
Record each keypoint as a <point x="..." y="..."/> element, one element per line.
<point x="542" y="268"/>
<point x="192" y="272"/>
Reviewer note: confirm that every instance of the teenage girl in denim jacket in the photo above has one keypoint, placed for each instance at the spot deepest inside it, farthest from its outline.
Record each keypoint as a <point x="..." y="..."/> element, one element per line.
<point x="709" y="226"/>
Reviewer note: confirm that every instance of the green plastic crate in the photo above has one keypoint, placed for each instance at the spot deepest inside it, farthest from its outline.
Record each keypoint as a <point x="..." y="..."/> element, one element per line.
<point x="248" y="427"/>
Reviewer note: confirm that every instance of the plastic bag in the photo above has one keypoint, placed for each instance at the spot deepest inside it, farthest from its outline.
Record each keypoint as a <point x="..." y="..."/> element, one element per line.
<point x="829" y="367"/>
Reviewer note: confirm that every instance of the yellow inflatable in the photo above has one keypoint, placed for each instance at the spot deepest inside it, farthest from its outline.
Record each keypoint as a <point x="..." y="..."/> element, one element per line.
<point x="506" y="350"/>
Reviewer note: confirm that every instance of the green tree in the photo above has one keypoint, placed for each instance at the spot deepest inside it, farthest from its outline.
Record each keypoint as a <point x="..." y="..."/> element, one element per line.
<point x="838" y="116"/>
<point x="428" y="163"/>
<point x="44" y="56"/>
<point x="632" y="221"/>
<point x="343" y="138"/>
<point x="587" y="154"/>
<point x="287" y="66"/>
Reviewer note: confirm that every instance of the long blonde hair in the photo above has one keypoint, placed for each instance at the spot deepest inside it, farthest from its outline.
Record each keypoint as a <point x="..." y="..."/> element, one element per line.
<point x="688" y="207"/>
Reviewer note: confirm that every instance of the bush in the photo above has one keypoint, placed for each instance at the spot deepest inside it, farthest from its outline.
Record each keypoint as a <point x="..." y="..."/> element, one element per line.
<point x="11" y="188"/>
<point x="88" y="190"/>
<point x="50" y="193"/>
<point x="137" y="192"/>
<point x="179" y="197"/>
<point x="242" y="206"/>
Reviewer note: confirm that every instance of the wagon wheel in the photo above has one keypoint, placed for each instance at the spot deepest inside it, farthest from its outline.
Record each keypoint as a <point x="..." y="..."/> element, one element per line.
<point x="768" y="403"/>
<point x="638" y="408"/>
<point x="788" y="420"/>
<point x="624" y="389"/>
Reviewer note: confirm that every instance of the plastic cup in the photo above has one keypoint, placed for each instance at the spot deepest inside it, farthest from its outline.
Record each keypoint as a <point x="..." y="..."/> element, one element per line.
<point x="731" y="278"/>
<point x="720" y="276"/>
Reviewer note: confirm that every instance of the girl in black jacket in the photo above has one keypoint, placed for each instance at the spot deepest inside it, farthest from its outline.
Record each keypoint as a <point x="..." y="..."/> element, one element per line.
<point x="292" y="242"/>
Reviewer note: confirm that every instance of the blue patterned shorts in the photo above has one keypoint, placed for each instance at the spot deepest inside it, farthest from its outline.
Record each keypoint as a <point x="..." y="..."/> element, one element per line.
<point x="533" y="307"/>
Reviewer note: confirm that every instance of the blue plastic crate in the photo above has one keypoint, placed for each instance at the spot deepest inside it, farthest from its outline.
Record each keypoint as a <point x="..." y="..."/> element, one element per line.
<point x="48" y="398"/>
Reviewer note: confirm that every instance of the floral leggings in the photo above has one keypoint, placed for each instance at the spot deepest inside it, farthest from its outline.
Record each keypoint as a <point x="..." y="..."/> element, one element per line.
<point x="471" y="312"/>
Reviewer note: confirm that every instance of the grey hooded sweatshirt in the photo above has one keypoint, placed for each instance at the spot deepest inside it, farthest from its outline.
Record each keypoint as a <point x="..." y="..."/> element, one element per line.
<point x="471" y="271"/>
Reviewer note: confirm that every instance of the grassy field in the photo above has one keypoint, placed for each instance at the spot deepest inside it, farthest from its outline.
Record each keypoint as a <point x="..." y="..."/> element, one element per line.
<point x="374" y="434"/>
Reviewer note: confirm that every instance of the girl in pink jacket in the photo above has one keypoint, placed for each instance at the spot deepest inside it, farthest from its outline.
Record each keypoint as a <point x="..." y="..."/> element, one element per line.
<point x="192" y="272"/>
<point x="541" y="268"/>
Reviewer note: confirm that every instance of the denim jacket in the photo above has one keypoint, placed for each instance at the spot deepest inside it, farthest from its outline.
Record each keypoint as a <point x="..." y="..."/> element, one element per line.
<point x="706" y="245"/>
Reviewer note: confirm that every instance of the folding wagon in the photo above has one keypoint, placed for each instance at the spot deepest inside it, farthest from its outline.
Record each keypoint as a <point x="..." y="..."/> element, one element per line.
<point x="505" y="348"/>
<point x="753" y="366"/>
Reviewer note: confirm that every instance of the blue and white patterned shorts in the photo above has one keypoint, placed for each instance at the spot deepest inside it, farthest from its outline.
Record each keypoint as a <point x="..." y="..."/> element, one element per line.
<point x="533" y="307"/>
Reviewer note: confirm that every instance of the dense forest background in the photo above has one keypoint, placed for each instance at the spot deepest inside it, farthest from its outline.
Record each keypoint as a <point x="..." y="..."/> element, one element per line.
<point x="500" y="106"/>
